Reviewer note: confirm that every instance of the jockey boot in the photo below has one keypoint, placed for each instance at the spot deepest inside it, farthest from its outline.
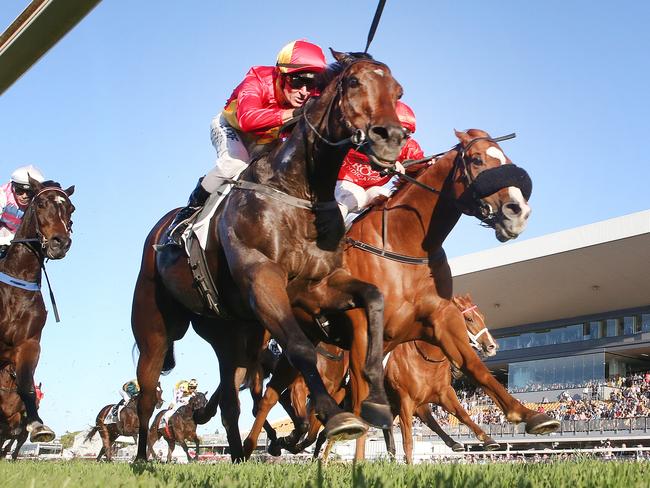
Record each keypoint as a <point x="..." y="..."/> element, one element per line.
<point x="197" y="199"/>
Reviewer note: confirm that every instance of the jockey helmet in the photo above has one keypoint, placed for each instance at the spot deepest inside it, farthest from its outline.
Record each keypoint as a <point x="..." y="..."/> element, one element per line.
<point x="192" y="384"/>
<point x="300" y="55"/>
<point x="406" y="116"/>
<point x="20" y="176"/>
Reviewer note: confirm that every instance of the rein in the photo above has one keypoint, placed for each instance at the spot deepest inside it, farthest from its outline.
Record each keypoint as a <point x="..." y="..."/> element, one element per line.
<point x="328" y="355"/>
<point x="280" y="196"/>
<point x="427" y="358"/>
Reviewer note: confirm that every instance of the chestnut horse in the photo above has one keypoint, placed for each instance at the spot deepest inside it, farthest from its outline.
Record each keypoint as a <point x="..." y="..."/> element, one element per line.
<point x="418" y="374"/>
<point x="43" y="233"/>
<point x="276" y="243"/>
<point x="415" y="376"/>
<point x="180" y="428"/>
<point x="12" y="411"/>
<point x="127" y="424"/>
<point x="398" y="246"/>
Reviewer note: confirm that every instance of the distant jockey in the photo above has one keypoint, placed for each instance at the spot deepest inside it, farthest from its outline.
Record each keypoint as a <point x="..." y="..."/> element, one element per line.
<point x="128" y="391"/>
<point x="267" y="97"/>
<point x="15" y="196"/>
<point x="359" y="186"/>
<point x="183" y="393"/>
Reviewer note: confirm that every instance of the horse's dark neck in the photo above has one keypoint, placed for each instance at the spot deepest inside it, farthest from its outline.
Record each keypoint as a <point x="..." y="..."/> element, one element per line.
<point x="24" y="259"/>
<point x="305" y="166"/>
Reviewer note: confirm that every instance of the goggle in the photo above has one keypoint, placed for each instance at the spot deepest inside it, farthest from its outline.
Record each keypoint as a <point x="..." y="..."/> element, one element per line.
<point x="296" y="82"/>
<point x="23" y="190"/>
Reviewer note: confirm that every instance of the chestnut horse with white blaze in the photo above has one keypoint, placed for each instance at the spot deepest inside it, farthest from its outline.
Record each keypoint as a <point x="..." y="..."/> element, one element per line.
<point x="274" y="244"/>
<point x="398" y="246"/>
<point x="44" y="233"/>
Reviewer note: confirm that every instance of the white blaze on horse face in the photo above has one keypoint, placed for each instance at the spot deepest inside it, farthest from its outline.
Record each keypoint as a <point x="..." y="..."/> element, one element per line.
<point x="496" y="153"/>
<point x="380" y="72"/>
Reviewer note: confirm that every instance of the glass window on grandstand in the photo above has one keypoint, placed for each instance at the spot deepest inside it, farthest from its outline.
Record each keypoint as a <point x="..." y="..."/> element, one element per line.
<point x="645" y="322"/>
<point x="557" y="373"/>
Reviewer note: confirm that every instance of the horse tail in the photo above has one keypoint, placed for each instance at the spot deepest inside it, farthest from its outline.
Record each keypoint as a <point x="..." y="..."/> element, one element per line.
<point x="91" y="433"/>
<point x="169" y="362"/>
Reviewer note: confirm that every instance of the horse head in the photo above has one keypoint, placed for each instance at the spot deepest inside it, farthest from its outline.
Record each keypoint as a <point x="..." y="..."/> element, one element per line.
<point x="50" y="213"/>
<point x="489" y="187"/>
<point x="159" y="398"/>
<point x="479" y="336"/>
<point x="360" y="94"/>
<point x="199" y="400"/>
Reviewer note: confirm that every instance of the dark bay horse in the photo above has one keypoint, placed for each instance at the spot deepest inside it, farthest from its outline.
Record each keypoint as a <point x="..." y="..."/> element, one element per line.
<point x="418" y="374"/>
<point x="127" y="424"/>
<point x="276" y="247"/>
<point x="44" y="233"/>
<point x="12" y="413"/>
<point x="180" y="428"/>
<point x="403" y="256"/>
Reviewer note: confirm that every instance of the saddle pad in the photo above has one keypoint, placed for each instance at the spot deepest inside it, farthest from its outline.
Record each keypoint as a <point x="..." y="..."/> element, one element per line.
<point x="201" y="225"/>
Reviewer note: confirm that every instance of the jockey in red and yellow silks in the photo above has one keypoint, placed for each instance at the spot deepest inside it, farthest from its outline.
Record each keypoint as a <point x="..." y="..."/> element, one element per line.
<point x="359" y="185"/>
<point x="252" y="116"/>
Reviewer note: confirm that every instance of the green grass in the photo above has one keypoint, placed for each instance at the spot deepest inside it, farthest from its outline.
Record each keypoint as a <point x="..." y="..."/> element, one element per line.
<point x="574" y="474"/>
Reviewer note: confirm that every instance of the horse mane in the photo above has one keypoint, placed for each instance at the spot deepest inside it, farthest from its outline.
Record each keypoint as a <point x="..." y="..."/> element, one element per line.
<point x="336" y="68"/>
<point x="51" y="184"/>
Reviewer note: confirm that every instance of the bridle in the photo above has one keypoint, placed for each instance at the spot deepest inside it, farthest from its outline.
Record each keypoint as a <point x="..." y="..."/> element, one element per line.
<point x="358" y="139"/>
<point x="41" y="239"/>
<point x="473" y="338"/>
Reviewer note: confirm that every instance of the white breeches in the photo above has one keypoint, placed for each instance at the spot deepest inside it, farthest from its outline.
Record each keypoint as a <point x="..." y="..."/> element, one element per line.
<point x="353" y="198"/>
<point x="232" y="156"/>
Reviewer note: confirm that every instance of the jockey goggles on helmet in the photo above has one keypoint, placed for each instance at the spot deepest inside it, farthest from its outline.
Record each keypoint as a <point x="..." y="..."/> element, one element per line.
<point x="22" y="189"/>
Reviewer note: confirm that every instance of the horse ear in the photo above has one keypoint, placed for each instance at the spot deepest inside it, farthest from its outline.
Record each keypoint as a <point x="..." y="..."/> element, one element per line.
<point x="339" y="56"/>
<point x="463" y="137"/>
<point x="455" y="301"/>
<point x="34" y="184"/>
<point x="69" y="191"/>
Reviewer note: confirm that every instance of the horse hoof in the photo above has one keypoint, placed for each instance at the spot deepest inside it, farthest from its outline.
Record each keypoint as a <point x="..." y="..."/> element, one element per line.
<point x="345" y="426"/>
<point x="377" y="414"/>
<point x="274" y="449"/>
<point x="540" y="424"/>
<point x="40" y="433"/>
<point x="457" y="447"/>
<point x="490" y="444"/>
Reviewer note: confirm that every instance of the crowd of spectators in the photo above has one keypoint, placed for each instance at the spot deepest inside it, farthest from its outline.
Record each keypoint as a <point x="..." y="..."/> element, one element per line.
<point x="630" y="399"/>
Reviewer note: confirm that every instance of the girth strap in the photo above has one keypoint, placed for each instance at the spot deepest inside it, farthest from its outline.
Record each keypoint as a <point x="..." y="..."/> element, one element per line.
<point x="280" y="195"/>
<point x="393" y="256"/>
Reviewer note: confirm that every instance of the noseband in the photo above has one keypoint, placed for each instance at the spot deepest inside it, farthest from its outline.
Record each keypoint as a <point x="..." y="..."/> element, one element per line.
<point x="473" y="338"/>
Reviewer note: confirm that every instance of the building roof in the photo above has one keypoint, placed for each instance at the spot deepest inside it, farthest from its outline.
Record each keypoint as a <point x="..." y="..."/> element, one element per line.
<point x="581" y="271"/>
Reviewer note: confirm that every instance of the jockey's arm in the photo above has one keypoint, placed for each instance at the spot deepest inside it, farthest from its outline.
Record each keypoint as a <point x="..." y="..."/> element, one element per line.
<point x="254" y="113"/>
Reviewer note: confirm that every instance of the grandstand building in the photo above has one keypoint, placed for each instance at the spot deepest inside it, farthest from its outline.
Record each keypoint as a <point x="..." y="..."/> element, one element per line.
<point x="567" y="309"/>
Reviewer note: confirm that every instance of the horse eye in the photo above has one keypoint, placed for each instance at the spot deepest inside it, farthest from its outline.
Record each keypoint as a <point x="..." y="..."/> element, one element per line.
<point x="477" y="161"/>
<point x="353" y="82"/>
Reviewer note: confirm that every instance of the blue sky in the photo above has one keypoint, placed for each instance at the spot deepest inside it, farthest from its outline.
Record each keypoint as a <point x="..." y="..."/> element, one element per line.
<point x="121" y="108"/>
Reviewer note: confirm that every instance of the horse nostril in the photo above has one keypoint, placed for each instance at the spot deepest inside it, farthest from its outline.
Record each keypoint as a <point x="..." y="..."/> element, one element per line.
<point x="513" y="208"/>
<point x="377" y="132"/>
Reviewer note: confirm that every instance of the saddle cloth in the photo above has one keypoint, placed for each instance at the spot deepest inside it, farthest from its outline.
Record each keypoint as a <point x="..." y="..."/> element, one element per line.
<point x="109" y="418"/>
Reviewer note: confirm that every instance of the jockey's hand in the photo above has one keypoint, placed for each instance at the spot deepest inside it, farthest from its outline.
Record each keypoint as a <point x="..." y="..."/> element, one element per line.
<point x="399" y="168"/>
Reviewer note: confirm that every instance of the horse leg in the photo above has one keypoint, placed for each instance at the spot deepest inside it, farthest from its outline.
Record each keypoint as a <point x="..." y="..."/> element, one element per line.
<point x="256" y="395"/>
<point x="320" y="440"/>
<point x="197" y="444"/>
<point x="406" y="425"/>
<point x="171" y="445"/>
<point x="155" y="323"/>
<point x="449" y="401"/>
<point x="389" y="439"/>
<point x="26" y="358"/>
<point x="451" y="335"/>
<point x="183" y="445"/>
<point x="283" y="375"/>
<point x="230" y="408"/>
<point x="109" y="447"/>
<point x="423" y="412"/>
<point x="367" y="354"/>
<point x="106" y="442"/>
<point x="265" y="284"/>
<point x="294" y="401"/>
<point x="20" y="440"/>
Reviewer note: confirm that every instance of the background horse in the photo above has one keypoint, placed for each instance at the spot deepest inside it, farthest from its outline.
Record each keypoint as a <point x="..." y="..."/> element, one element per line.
<point x="419" y="374"/>
<point x="180" y="428"/>
<point x="398" y="246"/>
<point x="127" y="424"/>
<point x="274" y="248"/>
<point x="12" y="413"/>
<point x="44" y="233"/>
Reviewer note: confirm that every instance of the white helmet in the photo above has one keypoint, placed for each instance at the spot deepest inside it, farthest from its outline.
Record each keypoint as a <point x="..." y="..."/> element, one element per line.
<point x="19" y="176"/>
